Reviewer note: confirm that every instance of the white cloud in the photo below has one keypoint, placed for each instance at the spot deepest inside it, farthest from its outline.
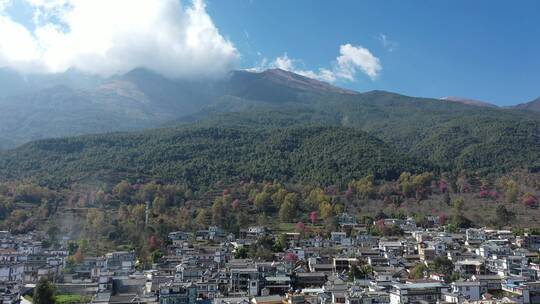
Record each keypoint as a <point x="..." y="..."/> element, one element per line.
<point x="345" y="68"/>
<point x="388" y="44"/>
<point x="353" y="58"/>
<point x="4" y="4"/>
<point x="284" y="63"/>
<point x="114" y="36"/>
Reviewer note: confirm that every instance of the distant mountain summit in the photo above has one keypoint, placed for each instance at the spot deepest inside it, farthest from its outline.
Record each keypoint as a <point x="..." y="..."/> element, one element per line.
<point x="531" y="105"/>
<point x="276" y="85"/>
<point x="42" y="106"/>
<point x="297" y="82"/>
<point x="468" y="101"/>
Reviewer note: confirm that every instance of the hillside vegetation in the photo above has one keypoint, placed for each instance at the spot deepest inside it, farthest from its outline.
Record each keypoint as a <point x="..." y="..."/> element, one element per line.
<point x="448" y="135"/>
<point x="402" y="135"/>
<point x="199" y="157"/>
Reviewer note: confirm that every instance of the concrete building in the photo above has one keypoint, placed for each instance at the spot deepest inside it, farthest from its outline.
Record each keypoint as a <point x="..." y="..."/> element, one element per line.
<point x="414" y="293"/>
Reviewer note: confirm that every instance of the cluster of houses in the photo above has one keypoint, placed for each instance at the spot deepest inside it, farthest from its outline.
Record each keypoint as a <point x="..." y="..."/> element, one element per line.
<point x="348" y="267"/>
<point x="23" y="260"/>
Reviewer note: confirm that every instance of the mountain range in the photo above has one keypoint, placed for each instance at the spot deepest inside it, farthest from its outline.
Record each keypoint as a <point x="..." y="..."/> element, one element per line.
<point x="44" y="106"/>
<point x="72" y="103"/>
<point x="446" y="134"/>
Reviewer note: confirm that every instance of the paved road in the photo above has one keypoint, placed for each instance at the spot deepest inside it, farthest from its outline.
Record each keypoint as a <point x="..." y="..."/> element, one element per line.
<point x="25" y="301"/>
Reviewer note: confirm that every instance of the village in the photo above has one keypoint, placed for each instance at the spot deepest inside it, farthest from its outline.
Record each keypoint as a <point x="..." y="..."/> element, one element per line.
<point x="425" y="265"/>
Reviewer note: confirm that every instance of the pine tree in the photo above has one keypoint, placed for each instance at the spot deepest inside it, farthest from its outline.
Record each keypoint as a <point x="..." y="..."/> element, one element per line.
<point x="44" y="292"/>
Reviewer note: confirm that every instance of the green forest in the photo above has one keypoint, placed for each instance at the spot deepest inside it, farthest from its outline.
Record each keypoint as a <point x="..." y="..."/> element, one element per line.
<point x="199" y="157"/>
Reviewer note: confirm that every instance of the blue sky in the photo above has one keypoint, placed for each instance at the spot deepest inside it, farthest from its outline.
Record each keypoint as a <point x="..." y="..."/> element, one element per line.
<point x="487" y="50"/>
<point x="481" y="49"/>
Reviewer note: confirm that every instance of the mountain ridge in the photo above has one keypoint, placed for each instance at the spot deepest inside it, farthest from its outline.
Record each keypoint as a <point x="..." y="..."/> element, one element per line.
<point x="533" y="105"/>
<point x="469" y="101"/>
<point x="137" y="99"/>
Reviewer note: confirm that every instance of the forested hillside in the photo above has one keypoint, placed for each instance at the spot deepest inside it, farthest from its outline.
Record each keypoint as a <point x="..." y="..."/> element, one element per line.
<point x="449" y="135"/>
<point x="199" y="157"/>
<point x="235" y="146"/>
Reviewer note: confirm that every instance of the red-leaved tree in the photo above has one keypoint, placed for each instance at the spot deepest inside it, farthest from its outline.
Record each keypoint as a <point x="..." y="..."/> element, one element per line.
<point x="529" y="200"/>
<point x="313" y="217"/>
<point x="78" y="256"/>
<point x="291" y="257"/>
<point x="443" y="218"/>
<point x="349" y="193"/>
<point x="484" y="193"/>
<point x="443" y="186"/>
<point x="153" y="243"/>
<point x="235" y="204"/>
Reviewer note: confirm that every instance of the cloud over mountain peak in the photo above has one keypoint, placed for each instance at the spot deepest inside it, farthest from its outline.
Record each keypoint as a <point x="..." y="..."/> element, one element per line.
<point x="105" y="37"/>
<point x="351" y="60"/>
